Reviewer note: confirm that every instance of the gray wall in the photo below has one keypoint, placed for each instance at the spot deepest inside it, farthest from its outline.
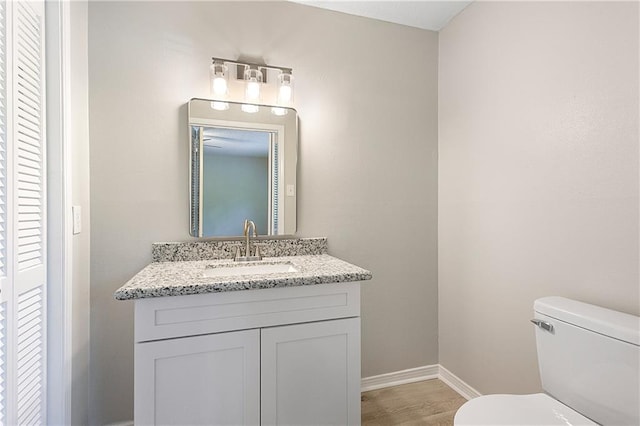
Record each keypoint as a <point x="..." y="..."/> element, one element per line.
<point x="538" y="176"/>
<point x="79" y="90"/>
<point x="243" y="183"/>
<point x="366" y="94"/>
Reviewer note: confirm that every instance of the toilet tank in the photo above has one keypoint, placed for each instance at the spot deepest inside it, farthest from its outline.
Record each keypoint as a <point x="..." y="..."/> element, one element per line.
<point x="590" y="359"/>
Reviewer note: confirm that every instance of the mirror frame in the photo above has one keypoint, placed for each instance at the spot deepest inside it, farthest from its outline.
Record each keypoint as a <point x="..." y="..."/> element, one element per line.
<point x="287" y="135"/>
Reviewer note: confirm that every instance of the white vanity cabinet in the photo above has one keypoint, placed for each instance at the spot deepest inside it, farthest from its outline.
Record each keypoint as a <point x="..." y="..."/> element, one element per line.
<point x="199" y="380"/>
<point x="281" y="356"/>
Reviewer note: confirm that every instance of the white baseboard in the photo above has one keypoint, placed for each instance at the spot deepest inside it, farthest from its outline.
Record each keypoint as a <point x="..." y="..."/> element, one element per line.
<point x="125" y="423"/>
<point x="457" y="384"/>
<point x="399" y="378"/>
<point x="417" y="375"/>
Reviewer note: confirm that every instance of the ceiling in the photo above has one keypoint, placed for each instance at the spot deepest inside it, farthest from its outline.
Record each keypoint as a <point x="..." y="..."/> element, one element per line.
<point x="425" y="14"/>
<point x="239" y="142"/>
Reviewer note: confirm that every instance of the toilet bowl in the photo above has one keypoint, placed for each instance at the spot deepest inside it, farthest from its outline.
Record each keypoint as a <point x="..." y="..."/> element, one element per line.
<point x="589" y="362"/>
<point x="508" y="410"/>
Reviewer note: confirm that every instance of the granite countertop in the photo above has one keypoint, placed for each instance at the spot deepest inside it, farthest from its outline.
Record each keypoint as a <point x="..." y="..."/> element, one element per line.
<point x="187" y="277"/>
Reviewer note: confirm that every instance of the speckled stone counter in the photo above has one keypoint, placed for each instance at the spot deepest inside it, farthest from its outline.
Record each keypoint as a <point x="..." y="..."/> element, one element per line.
<point x="225" y="249"/>
<point x="187" y="277"/>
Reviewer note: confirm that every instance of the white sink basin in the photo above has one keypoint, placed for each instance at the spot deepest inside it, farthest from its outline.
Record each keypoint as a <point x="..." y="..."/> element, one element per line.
<point x="253" y="269"/>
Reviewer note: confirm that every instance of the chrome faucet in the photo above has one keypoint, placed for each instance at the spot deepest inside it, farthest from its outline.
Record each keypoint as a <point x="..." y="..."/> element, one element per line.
<point x="249" y="231"/>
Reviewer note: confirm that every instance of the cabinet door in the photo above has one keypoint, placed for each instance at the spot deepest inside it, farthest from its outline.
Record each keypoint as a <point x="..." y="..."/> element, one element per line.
<point x="201" y="380"/>
<point x="311" y="373"/>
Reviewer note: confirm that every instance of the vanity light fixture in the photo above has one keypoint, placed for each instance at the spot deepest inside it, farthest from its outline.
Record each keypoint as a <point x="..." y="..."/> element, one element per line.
<point x="285" y="87"/>
<point x="254" y="77"/>
<point x="253" y="81"/>
<point x="279" y="111"/>
<point x="219" y="76"/>
<point x="250" y="108"/>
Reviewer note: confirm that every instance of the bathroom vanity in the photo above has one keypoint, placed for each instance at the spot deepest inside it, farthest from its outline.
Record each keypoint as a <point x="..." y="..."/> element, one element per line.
<point x="269" y="342"/>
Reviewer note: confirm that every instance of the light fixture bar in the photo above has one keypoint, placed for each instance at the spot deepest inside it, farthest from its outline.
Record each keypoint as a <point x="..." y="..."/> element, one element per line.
<point x="254" y="65"/>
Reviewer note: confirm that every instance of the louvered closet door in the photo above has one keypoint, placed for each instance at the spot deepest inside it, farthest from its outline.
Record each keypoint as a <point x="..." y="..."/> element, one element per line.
<point x="5" y="288"/>
<point x="23" y="285"/>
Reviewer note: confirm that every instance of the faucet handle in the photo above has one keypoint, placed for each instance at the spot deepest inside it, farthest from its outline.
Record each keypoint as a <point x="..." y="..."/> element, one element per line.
<point x="237" y="246"/>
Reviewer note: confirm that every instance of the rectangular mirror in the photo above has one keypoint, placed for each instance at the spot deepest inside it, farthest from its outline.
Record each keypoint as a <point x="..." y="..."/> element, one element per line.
<point x="242" y="166"/>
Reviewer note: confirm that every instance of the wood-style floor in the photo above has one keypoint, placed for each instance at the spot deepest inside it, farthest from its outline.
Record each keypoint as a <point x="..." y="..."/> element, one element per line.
<point x="430" y="402"/>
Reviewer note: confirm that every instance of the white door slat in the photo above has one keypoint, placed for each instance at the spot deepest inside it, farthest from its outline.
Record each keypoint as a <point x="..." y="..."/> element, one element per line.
<point x="28" y="112"/>
<point x="25" y="233"/>
<point x="30" y="152"/>
<point x="30" y="202"/>
<point x="31" y="342"/>
<point x="28" y="107"/>
<point x="29" y="400"/>
<point x="27" y="320"/>
<point x="27" y="56"/>
<point x="23" y="193"/>
<point x="28" y="50"/>
<point x="27" y="257"/>
<point x="31" y="242"/>
<point x="28" y="134"/>
<point x="30" y="92"/>
<point x="28" y="224"/>
<point x="26" y="90"/>
<point x="28" y="164"/>
<point x="25" y="16"/>
<point x="28" y="186"/>
<point x="28" y="209"/>
<point x="28" y="14"/>
<point x="34" y="149"/>
<point x="29" y="248"/>
<point x="31" y="417"/>
<point x="27" y="63"/>
<point x="30" y="364"/>
<point x="28" y="383"/>
<point x="28" y="32"/>
<point x="30" y="95"/>
<point x="29" y="263"/>
<point x="29" y="368"/>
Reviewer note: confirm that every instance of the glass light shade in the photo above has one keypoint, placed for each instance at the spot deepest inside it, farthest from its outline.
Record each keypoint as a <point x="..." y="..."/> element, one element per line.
<point x="220" y="86"/>
<point x="219" y="75"/>
<point x="279" y="111"/>
<point x="253" y="79"/>
<point x="219" y="106"/>
<point x="285" y="88"/>
<point x="250" y="108"/>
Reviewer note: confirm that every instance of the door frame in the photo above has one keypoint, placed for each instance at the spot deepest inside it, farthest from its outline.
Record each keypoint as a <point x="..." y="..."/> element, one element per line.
<point x="59" y="191"/>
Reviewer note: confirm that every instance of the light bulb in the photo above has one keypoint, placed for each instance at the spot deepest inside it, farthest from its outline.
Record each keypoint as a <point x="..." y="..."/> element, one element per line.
<point x="253" y="91"/>
<point x="279" y="111"/>
<point x="220" y="86"/>
<point x="219" y="75"/>
<point x="219" y="106"/>
<point x="285" y="88"/>
<point x="253" y="78"/>
<point x="250" y="108"/>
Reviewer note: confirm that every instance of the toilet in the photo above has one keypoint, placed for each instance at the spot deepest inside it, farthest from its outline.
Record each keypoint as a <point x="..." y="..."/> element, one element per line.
<point x="589" y="362"/>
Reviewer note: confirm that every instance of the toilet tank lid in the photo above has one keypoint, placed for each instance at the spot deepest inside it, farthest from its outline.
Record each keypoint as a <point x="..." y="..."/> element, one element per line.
<point x="600" y="320"/>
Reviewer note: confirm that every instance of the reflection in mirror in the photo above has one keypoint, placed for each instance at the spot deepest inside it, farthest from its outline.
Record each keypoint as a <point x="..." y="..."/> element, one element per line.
<point x="243" y="166"/>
